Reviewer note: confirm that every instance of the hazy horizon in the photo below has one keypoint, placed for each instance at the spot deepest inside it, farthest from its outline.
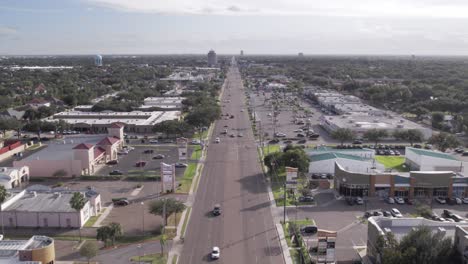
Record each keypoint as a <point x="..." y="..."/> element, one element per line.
<point x="261" y="27"/>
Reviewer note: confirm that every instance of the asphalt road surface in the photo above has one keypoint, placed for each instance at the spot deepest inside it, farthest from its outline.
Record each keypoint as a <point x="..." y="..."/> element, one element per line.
<point x="232" y="177"/>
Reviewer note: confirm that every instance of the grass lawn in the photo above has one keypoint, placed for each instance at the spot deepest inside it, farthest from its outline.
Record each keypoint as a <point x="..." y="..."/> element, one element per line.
<point x="173" y="222"/>
<point x="270" y="149"/>
<point x="157" y="258"/>
<point x="174" y="259"/>
<point x="187" y="217"/>
<point x="196" y="152"/>
<point x="393" y="162"/>
<point x="295" y="256"/>
<point x="204" y="135"/>
<point x="186" y="180"/>
<point x="93" y="219"/>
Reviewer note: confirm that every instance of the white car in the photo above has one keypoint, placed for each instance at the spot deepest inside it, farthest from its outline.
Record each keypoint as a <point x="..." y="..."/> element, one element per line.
<point x="278" y="134"/>
<point x="465" y="200"/>
<point x="215" y="253"/>
<point x="399" y="200"/>
<point x="440" y="200"/>
<point x="390" y="200"/>
<point x="396" y="213"/>
<point x="217" y="140"/>
<point x="154" y="141"/>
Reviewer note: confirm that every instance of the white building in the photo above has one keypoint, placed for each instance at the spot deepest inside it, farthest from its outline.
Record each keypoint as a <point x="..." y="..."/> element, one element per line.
<point x="325" y="163"/>
<point x="363" y="153"/>
<point x="212" y="59"/>
<point x="41" y="206"/>
<point x="11" y="177"/>
<point x="163" y="103"/>
<point x="98" y="60"/>
<point x="429" y="160"/>
<point x="36" y="250"/>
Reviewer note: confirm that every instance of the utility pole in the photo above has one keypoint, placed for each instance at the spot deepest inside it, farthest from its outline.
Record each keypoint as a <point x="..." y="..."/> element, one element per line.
<point x="284" y="203"/>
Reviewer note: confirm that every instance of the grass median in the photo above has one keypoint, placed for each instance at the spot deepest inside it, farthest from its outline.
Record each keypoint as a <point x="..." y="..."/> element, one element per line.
<point x="187" y="179"/>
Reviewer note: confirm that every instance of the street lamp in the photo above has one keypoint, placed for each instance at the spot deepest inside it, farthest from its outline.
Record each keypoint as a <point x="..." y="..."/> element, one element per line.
<point x="139" y="253"/>
<point x="143" y="217"/>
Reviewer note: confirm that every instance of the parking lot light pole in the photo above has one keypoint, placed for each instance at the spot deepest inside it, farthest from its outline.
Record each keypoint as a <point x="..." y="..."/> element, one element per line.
<point x="143" y="217"/>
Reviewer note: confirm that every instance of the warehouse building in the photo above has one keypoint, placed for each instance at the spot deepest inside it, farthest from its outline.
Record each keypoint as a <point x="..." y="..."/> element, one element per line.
<point x="429" y="160"/>
<point x="325" y="163"/>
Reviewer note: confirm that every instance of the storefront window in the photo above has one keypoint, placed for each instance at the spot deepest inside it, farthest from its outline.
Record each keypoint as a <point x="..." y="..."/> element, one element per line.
<point x="443" y="192"/>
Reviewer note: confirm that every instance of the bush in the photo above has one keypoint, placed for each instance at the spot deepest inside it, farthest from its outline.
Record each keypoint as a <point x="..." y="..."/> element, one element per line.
<point x="143" y="178"/>
<point x="34" y="179"/>
<point x="101" y="178"/>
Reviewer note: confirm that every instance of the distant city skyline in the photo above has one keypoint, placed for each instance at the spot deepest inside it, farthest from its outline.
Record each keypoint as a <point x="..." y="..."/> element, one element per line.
<point x="333" y="27"/>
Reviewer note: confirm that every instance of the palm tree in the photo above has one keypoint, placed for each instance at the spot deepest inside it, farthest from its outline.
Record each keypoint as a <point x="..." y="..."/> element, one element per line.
<point x="77" y="202"/>
<point x="3" y="196"/>
<point x="115" y="231"/>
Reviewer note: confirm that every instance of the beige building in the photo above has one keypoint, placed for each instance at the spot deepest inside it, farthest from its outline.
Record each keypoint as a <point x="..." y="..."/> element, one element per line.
<point x="36" y="250"/>
<point x="40" y="206"/>
<point x="12" y="177"/>
<point x="76" y="155"/>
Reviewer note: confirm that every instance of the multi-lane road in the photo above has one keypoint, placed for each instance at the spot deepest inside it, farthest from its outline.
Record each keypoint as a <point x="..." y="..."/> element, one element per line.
<point x="232" y="176"/>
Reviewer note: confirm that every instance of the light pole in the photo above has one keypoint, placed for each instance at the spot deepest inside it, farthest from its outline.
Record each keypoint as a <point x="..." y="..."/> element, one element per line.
<point x="139" y="253"/>
<point x="143" y="217"/>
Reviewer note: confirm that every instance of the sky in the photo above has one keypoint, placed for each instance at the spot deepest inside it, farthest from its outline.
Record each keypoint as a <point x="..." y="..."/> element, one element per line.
<point x="314" y="27"/>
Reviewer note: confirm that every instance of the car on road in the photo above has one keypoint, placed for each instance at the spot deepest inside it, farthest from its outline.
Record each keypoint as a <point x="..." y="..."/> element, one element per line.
<point x="232" y="135"/>
<point x="279" y="134"/>
<point x="440" y="200"/>
<point x="359" y="200"/>
<point x="153" y="141"/>
<point x="148" y="151"/>
<point x="122" y="152"/>
<point x="180" y="165"/>
<point x="298" y="130"/>
<point x="121" y="202"/>
<point x="116" y="172"/>
<point x="240" y="135"/>
<point x="215" y="253"/>
<point x="159" y="156"/>
<point x="306" y="199"/>
<point x="396" y="213"/>
<point x="350" y="201"/>
<point x="112" y="162"/>
<point x="140" y="163"/>
<point x="217" y="140"/>
<point x="302" y="141"/>
<point x="217" y="210"/>
<point x="232" y="117"/>
<point x="399" y="200"/>
<point x="390" y="200"/>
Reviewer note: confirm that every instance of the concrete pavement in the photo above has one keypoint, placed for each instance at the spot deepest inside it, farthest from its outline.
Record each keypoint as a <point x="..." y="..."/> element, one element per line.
<point x="232" y="176"/>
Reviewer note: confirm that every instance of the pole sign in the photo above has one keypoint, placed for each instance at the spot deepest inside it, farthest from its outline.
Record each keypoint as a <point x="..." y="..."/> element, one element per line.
<point x="182" y="148"/>
<point x="291" y="178"/>
<point x="167" y="177"/>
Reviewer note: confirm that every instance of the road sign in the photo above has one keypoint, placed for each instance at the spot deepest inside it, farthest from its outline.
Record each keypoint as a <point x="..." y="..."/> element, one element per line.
<point x="182" y="148"/>
<point x="168" y="177"/>
<point x="291" y="178"/>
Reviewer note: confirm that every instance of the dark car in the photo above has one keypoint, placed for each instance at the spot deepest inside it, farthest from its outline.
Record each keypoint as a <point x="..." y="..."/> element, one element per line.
<point x="180" y="165"/>
<point x="300" y="135"/>
<point x="217" y="210"/>
<point x="121" y="202"/>
<point x="115" y="172"/>
<point x="357" y="142"/>
<point x="387" y="213"/>
<point x="159" y="156"/>
<point x="306" y="199"/>
<point x="273" y="141"/>
<point x="148" y="151"/>
<point x="350" y="201"/>
<point x="409" y="201"/>
<point x="377" y="213"/>
<point x="417" y="146"/>
<point x="451" y="201"/>
<point x="140" y="163"/>
<point x="310" y="229"/>
<point x="232" y="116"/>
<point x="112" y="162"/>
<point x="368" y="214"/>
<point x="302" y="141"/>
<point x="447" y="214"/>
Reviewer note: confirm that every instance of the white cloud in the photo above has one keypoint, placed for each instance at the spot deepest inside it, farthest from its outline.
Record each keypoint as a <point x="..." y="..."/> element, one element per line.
<point x="368" y="8"/>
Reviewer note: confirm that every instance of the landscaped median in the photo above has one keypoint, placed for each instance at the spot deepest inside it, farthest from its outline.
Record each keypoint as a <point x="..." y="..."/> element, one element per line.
<point x="157" y="258"/>
<point x="297" y="248"/>
<point x="186" y="181"/>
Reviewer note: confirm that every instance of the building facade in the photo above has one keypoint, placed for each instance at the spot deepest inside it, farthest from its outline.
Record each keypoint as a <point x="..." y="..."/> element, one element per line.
<point x="36" y="250"/>
<point x="212" y="58"/>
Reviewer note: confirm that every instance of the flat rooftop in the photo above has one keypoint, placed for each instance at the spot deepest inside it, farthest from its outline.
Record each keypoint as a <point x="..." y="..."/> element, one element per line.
<point x="43" y="202"/>
<point x="9" y="248"/>
<point x="371" y="122"/>
<point x="138" y="118"/>
<point x="63" y="149"/>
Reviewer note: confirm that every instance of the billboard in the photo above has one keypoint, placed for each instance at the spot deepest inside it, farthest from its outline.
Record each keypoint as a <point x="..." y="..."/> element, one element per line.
<point x="167" y="177"/>
<point x="291" y="177"/>
<point x="182" y="148"/>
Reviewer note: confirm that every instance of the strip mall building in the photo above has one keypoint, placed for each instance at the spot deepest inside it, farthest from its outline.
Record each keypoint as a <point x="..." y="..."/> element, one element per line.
<point x="445" y="178"/>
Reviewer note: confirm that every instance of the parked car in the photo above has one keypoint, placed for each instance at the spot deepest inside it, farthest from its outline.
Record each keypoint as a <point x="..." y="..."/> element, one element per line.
<point x="357" y="142"/>
<point x="458" y="218"/>
<point x="458" y="200"/>
<point x="112" y="162"/>
<point x="149" y="151"/>
<point x="159" y="156"/>
<point x="140" y="163"/>
<point x="279" y="134"/>
<point x="195" y="142"/>
<point x="217" y="210"/>
<point x="121" y="202"/>
<point x="447" y="214"/>
<point x="377" y="213"/>
<point x="153" y="141"/>
<point x="387" y="213"/>
<point x="451" y="201"/>
<point x="217" y="140"/>
<point x="390" y="200"/>
<point x="396" y="213"/>
<point x="180" y="165"/>
<point x="440" y="200"/>
<point x="300" y="135"/>
<point x="306" y="199"/>
<point x="350" y="201"/>
<point x="122" y="152"/>
<point x="465" y="200"/>
<point x="399" y="200"/>
<point x="309" y="229"/>
<point x="409" y="201"/>
<point x="240" y="135"/>
<point x="368" y="214"/>
<point x="215" y="253"/>
<point x="116" y="172"/>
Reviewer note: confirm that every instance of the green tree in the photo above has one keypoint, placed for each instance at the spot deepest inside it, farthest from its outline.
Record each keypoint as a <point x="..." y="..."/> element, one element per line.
<point x="89" y="250"/>
<point x="273" y="161"/>
<point x="77" y="202"/>
<point x="115" y="230"/>
<point x="60" y="173"/>
<point x="296" y="158"/>
<point x="444" y="141"/>
<point x="166" y="207"/>
<point x="103" y="234"/>
<point x="343" y="134"/>
<point x="411" y="135"/>
<point x="375" y="135"/>
<point x="437" y="119"/>
<point x="3" y="196"/>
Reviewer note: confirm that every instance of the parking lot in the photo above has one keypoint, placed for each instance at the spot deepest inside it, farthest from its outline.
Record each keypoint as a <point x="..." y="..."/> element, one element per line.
<point x="127" y="163"/>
